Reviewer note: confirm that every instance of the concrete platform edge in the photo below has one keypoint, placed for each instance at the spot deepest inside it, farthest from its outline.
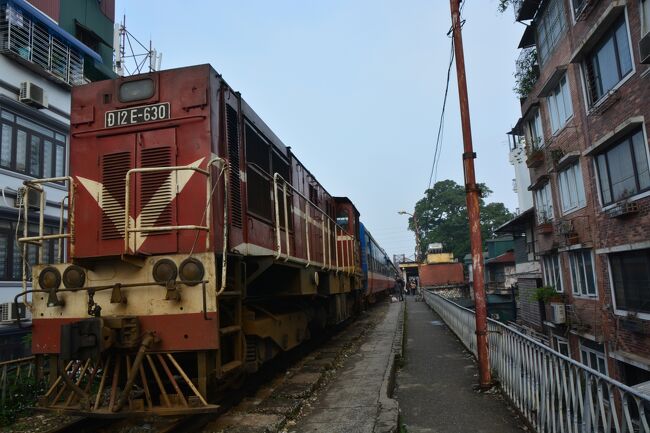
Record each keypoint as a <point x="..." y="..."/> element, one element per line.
<point x="387" y="420"/>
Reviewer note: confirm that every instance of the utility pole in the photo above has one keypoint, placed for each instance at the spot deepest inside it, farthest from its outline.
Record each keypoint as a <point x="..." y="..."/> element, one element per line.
<point x="472" y="196"/>
<point x="417" y="233"/>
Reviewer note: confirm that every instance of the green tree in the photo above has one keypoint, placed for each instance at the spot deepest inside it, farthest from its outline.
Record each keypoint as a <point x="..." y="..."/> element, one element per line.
<point x="442" y="217"/>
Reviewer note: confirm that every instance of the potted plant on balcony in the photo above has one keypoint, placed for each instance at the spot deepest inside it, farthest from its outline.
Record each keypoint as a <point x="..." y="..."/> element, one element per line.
<point x="544" y="223"/>
<point x="545" y="296"/>
<point x="548" y="294"/>
<point x="535" y="157"/>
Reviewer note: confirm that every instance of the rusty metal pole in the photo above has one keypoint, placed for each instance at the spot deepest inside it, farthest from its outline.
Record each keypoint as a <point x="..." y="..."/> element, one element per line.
<point x="472" y="193"/>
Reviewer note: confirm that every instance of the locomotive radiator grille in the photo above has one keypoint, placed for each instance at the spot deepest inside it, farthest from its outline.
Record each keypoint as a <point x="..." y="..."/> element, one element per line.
<point x="232" y="130"/>
<point x="114" y="168"/>
<point x="156" y="190"/>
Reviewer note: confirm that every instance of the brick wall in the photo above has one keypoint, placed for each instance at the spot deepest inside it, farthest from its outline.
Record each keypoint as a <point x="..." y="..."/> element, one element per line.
<point x="594" y="228"/>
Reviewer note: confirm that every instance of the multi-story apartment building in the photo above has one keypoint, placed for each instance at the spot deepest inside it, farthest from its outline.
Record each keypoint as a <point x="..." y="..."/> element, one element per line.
<point x="585" y="87"/>
<point x="46" y="47"/>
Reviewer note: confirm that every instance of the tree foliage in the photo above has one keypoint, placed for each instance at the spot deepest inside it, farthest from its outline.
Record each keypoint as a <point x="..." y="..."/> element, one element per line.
<point x="442" y="217"/>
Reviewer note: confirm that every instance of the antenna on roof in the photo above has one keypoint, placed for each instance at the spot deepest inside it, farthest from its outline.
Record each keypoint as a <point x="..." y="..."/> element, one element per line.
<point x="138" y="57"/>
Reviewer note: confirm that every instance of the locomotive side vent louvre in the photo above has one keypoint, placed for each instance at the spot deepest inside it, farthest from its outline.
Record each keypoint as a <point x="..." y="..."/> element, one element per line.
<point x="114" y="168"/>
<point x="232" y="130"/>
<point x="156" y="190"/>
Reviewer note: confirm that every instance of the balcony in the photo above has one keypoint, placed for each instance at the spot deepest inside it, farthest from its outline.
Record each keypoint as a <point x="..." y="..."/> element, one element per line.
<point x="525" y="9"/>
<point x="39" y="46"/>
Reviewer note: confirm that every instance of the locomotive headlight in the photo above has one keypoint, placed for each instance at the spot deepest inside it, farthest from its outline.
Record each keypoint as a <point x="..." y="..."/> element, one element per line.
<point x="192" y="271"/>
<point x="164" y="270"/>
<point x="74" y="277"/>
<point x="49" y="278"/>
<point x="136" y="90"/>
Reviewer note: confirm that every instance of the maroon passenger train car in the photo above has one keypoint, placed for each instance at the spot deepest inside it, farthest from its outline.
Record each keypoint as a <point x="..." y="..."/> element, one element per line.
<point x="198" y="245"/>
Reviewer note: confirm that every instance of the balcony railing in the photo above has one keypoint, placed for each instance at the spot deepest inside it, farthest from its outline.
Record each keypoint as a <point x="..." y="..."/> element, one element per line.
<point x="30" y="41"/>
<point x="554" y="393"/>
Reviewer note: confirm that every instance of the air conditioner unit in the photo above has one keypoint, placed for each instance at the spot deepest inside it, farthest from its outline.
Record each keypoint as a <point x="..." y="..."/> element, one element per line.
<point x="32" y="197"/>
<point x="558" y="313"/>
<point x="33" y="95"/>
<point x="644" y="49"/>
<point x="9" y="311"/>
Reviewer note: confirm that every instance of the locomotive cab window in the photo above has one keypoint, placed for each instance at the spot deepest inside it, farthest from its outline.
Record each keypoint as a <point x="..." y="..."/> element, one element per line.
<point x="342" y="218"/>
<point x="136" y="90"/>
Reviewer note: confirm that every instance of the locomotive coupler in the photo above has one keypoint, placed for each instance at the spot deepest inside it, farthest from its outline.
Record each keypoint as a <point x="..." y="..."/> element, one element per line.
<point x="94" y="309"/>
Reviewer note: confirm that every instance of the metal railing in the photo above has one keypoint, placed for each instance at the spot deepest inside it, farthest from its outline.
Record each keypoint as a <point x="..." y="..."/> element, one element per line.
<point x="31" y="41"/>
<point x="12" y="372"/>
<point x="333" y="235"/>
<point x="554" y="393"/>
<point x="36" y="185"/>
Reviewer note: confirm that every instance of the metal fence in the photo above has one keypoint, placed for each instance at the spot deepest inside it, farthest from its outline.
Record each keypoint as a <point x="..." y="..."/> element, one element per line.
<point x="31" y="41"/>
<point x="554" y="393"/>
<point x="11" y="372"/>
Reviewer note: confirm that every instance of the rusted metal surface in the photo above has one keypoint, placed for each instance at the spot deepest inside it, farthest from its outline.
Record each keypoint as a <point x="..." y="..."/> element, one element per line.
<point x="440" y="274"/>
<point x="473" y="193"/>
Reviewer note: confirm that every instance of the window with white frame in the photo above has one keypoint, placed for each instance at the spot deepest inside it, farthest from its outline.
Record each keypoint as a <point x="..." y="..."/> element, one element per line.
<point x="609" y="62"/>
<point x="630" y="271"/>
<point x="623" y="168"/>
<point x="534" y="133"/>
<point x="552" y="271"/>
<point x="592" y="354"/>
<point x="559" y="104"/>
<point x="582" y="272"/>
<point x="550" y="27"/>
<point x="645" y="17"/>
<point x="544" y="204"/>
<point x="562" y="345"/>
<point x="572" y="190"/>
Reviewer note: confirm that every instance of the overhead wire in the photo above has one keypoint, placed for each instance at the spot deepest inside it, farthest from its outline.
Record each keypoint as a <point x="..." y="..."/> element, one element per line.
<point x="441" y="124"/>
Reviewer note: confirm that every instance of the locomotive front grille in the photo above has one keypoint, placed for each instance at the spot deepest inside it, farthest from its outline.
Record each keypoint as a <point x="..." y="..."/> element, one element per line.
<point x="114" y="168"/>
<point x="156" y="190"/>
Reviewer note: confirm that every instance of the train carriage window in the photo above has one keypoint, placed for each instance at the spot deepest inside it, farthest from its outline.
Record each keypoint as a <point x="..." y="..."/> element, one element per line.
<point x="259" y="194"/>
<point x="257" y="149"/>
<point x="281" y="166"/>
<point x="313" y="194"/>
<point x="342" y="218"/>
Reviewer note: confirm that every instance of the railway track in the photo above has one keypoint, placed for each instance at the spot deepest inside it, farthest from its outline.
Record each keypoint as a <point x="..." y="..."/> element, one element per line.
<point x="272" y="373"/>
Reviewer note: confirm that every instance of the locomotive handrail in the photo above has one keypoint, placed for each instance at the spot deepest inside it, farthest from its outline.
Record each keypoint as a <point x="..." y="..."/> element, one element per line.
<point x="347" y="244"/>
<point x="127" y="204"/>
<point x="36" y="185"/>
<point x="206" y="216"/>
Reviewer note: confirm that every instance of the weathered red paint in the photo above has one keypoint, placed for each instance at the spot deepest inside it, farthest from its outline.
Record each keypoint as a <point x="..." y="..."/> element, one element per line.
<point x="440" y="274"/>
<point x="176" y="332"/>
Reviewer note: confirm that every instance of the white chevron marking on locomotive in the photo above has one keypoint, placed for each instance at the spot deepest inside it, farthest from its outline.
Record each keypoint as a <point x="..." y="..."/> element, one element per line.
<point x="104" y="198"/>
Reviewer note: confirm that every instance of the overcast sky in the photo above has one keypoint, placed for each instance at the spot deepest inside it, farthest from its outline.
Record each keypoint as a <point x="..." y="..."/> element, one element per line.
<point x="355" y="87"/>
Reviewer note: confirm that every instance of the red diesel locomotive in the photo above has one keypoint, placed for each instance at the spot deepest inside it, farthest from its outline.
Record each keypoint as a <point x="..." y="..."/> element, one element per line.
<point x="198" y="248"/>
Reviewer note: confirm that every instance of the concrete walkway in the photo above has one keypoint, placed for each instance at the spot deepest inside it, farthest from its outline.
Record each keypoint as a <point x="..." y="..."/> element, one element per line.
<point x="356" y="400"/>
<point x="435" y="387"/>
